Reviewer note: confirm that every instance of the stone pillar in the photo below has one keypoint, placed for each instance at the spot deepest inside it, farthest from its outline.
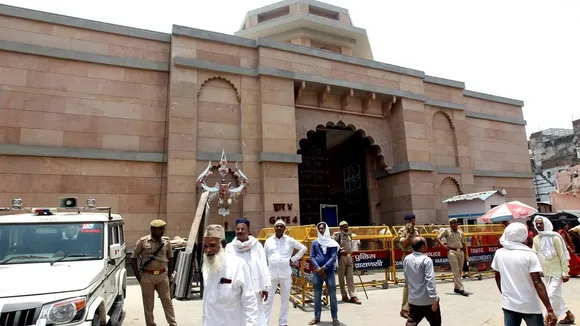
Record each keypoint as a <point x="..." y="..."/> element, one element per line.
<point x="412" y="184"/>
<point x="251" y="139"/>
<point x="181" y="138"/>
<point x="278" y="157"/>
<point x="463" y="151"/>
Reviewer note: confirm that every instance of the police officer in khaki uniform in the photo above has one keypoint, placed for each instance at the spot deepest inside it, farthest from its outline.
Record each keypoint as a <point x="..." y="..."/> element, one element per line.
<point x="455" y="244"/>
<point x="154" y="272"/>
<point x="345" y="263"/>
<point x="406" y="236"/>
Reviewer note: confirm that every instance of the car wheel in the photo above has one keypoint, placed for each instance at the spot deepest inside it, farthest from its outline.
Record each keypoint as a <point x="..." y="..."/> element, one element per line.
<point x="96" y="319"/>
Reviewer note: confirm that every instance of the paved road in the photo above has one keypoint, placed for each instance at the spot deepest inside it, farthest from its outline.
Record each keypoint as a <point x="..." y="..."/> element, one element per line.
<point x="382" y="307"/>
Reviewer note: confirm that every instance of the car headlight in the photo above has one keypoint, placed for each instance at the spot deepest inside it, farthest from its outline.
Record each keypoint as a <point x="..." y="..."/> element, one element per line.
<point x="64" y="311"/>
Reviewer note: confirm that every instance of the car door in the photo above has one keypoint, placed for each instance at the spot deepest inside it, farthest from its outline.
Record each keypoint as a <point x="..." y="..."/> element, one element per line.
<point x="110" y="287"/>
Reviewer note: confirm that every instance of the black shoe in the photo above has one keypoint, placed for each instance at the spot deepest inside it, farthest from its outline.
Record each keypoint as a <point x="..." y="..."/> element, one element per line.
<point x="461" y="292"/>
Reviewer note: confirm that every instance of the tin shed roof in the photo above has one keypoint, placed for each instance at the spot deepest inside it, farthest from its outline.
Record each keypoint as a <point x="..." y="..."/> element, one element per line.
<point x="476" y="195"/>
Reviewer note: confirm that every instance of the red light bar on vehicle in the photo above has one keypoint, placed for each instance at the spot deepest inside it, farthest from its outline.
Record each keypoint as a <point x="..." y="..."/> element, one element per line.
<point x="43" y="211"/>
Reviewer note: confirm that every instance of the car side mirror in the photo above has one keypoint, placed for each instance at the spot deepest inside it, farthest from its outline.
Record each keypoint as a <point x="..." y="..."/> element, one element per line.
<point x="115" y="251"/>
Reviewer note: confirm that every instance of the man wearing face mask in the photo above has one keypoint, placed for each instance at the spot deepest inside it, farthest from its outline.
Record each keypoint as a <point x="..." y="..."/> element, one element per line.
<point x="252" y="252"/>
<point x="406" y="236"/>
<point x="228" y="297"/>
<point x="279" y="248"/>
<point x="554" y="258"/>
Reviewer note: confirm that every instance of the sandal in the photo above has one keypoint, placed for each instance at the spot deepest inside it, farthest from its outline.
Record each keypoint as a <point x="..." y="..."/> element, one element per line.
<point x="314" y="321"/>
<point x="566" y="321"/>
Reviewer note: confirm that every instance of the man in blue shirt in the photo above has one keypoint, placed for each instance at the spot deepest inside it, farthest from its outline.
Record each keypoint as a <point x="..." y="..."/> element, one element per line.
<point x="323" y="257"/>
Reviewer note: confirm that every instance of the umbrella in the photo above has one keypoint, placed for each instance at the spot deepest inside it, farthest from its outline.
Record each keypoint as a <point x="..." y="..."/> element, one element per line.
<point x="508" y="212"/>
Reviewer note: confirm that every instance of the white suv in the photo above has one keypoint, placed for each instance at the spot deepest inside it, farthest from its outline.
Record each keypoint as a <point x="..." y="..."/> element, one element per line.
<point x="61" y="266"/>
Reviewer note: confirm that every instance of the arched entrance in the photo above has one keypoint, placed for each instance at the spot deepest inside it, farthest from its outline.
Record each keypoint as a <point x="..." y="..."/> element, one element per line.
<point x="337" y="162"/>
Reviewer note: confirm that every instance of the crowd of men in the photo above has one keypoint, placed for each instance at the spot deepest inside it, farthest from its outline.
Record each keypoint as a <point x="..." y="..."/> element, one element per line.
<point x="242" y="277"/>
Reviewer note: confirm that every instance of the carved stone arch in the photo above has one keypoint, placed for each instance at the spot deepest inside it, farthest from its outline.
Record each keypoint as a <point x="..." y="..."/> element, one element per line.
<point x="222" y="79"/>
<point x="443" y="147"/>
<point x="384" y="165"/>
<point x="451" y="124"/>
<point x="457" y="184"/>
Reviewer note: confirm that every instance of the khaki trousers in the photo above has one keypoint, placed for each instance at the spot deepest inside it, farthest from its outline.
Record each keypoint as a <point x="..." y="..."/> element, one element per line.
<point x="160" y="283"/>
<point x="346" y="268"/>
<point x="405" y="303"/>
<point x="456" y="259"/>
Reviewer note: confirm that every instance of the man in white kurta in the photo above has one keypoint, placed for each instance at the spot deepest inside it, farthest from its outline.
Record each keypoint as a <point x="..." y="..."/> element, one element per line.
<point x="279" y="249"/>
<point x="250" y="250"/>
<point x="554" y="258"/>
<point x="228" y="298"/>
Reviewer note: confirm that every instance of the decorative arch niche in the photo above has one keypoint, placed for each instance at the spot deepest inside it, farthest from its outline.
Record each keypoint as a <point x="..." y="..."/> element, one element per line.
<point x="443" y="148"/>
<point x="449" y="187"/>
<point x="219" y="78"/>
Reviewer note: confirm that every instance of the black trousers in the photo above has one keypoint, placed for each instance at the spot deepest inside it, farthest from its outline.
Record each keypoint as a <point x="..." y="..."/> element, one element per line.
<point x="417" y="313"/>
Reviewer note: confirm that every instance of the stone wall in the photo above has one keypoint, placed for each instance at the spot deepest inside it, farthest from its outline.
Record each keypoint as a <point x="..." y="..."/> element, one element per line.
<point x="102" y="119"/>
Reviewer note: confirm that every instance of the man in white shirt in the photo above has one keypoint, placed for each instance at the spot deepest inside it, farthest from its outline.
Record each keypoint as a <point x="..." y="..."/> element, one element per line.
<point x="228" y="297"/>
<point x="517" y="275"/>
<point x="251" y="251"/>
<point x="279" y="248"/>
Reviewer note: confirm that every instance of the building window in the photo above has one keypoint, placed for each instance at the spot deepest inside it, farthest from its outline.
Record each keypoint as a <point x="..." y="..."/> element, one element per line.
<point x="321" y="12"/>
<point x="273" y="14"/>
<point x="549" y="174"/>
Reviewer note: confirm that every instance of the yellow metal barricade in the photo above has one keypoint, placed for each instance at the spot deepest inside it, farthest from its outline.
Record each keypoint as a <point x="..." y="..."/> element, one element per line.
<point x="372" y="252"/>
<point x="482" y="243"/>
<point x="302" y="291"/>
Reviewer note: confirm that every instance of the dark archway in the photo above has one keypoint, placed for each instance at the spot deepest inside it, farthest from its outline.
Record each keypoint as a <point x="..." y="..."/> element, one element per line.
<point x="334" y="172"/>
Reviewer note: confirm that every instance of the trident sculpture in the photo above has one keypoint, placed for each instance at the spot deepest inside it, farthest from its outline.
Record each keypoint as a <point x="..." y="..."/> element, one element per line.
<point x="222" y="190"/>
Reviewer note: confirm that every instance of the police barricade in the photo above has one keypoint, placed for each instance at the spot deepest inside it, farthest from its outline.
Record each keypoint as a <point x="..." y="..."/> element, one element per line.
<point x="434" y="250"/>
<point x="482" y="243"/>
<point x="302" y="290"/>
<point x="372" y="252"/>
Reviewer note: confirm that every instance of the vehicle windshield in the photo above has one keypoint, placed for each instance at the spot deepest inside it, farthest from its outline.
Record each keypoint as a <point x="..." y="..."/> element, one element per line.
<point x="43" y="242"/>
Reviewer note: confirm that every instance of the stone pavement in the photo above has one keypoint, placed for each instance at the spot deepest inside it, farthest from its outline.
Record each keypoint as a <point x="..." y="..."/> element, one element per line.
<point x="382" y="307"/>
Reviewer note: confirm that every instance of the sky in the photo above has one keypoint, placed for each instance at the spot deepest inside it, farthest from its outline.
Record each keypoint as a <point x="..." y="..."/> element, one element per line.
<point x="523" y="49"/>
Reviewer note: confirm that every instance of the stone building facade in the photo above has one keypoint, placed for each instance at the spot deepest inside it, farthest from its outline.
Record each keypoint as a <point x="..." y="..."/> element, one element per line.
<point x="132" y="116"/>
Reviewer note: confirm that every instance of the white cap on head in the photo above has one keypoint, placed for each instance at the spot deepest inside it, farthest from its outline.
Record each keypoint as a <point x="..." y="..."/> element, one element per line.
<point x="280" y="222"/>
<point x="215" y="231"/>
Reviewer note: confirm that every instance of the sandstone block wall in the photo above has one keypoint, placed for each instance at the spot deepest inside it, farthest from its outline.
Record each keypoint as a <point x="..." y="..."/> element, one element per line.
<point x="168" y="104"/>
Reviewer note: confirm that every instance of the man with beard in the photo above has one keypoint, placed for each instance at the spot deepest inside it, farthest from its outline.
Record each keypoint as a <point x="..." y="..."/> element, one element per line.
<point x="251" y="251"/>
<point x="554" y="258"/>
<point x="345" y="263"/>
<point x="323" y="255"/>
<point x="279" y="248"/>
<point x="228" y="298"/>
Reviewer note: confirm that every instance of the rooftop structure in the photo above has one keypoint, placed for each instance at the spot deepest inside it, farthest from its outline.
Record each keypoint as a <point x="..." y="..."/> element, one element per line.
<point x="308" y="23"/>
